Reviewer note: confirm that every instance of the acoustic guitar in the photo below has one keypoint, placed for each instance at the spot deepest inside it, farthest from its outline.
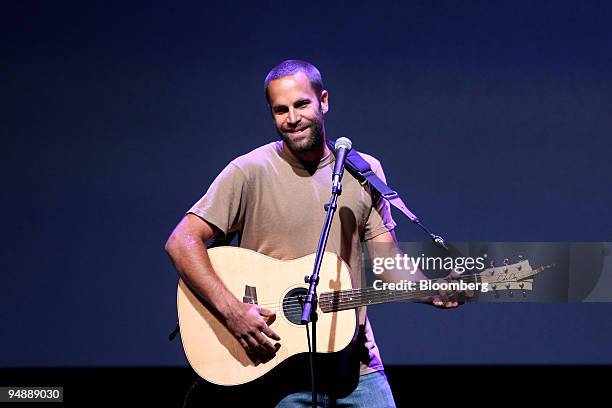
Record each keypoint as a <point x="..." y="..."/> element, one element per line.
<point x="217" y="356"/>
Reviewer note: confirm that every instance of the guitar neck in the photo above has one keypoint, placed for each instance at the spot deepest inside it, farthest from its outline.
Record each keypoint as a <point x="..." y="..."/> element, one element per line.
<point x="352" y="298"/>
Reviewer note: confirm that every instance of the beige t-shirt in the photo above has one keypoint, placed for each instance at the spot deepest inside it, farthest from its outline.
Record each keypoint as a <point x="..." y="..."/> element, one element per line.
<point x="277" y="205"/>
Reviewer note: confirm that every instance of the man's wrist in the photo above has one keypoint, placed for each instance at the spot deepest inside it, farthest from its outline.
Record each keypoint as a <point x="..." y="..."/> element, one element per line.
<point x="231" y="309"/>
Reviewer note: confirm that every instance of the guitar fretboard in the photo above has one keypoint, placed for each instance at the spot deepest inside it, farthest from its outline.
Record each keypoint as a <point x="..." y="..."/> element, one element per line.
<point x="352" y="298"/>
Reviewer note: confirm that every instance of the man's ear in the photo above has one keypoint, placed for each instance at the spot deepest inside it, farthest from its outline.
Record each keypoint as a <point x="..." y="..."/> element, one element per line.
<point x="324" y="101"/>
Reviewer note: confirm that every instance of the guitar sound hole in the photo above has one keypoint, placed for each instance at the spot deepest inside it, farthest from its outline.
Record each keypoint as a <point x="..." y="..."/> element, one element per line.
<point x="292" y="307"/>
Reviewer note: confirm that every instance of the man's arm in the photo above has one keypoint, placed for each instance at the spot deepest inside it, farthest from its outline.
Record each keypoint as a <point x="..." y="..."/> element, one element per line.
<point x="186" y="247"/>
<point x="385" y="246"/>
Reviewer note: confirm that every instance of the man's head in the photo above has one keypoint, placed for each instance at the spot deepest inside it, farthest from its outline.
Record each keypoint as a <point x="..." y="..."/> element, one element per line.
<point x="297" y="100"/>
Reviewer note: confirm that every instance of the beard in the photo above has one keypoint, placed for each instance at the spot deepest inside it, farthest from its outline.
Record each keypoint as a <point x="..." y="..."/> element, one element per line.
<point x="313" y="138"/>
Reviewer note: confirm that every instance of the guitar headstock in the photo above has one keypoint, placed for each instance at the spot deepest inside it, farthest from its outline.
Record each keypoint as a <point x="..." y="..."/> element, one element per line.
<point x="511" y="276"/>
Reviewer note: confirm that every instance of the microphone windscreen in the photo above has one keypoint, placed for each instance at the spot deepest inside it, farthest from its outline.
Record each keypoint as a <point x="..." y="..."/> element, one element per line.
<point x="344" y="142"/>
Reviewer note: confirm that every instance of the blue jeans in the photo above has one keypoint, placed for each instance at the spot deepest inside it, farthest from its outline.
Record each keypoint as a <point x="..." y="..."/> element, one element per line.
<point x="373" y="391"/>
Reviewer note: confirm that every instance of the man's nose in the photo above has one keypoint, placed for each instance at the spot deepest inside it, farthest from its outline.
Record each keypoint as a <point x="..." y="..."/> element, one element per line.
<point x="294" y="117"/>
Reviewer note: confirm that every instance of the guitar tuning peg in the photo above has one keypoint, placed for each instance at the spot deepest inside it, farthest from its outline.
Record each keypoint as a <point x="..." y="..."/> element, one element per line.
<point x="520" y="258"/>
<point x="506" y="261"/>
<point x="524" y="293"/>
<point x="510" y="293"/>
<point x="522" y="285"/>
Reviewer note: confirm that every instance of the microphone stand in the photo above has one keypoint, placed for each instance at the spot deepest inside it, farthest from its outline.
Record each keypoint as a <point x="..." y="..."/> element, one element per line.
<point x="309" y="312"/>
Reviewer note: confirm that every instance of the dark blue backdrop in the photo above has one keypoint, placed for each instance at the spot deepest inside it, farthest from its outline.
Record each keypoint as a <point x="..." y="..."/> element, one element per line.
<point x="492" y="119"/>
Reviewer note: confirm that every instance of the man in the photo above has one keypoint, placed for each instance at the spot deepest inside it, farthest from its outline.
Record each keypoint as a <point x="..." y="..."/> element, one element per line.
<point x="274" y="197"/>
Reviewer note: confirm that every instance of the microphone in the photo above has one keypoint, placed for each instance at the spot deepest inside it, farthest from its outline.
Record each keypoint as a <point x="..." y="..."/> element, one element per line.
<point x="343" y="147"/>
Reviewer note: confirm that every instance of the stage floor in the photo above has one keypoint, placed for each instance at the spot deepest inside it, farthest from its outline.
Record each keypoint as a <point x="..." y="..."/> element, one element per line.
<point x="167" y="386"/>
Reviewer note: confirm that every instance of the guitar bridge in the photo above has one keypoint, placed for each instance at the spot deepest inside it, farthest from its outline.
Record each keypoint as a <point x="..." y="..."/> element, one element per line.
<point x="250" y="295"/>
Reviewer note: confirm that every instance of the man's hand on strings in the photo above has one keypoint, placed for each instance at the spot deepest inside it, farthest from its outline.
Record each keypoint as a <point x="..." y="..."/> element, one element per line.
<point x="250" y="325"/>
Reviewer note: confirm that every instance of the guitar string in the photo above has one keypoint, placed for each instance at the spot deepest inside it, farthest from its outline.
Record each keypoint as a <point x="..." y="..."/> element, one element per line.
<point x="356" y="296"/>
<point x="344" y="296"/>
<point x="358" y="299"/>
<point x="293" y="304"/>
<point x="351" y="298"/>
<point x="402" y="295"/>
<point x="335" y="308"/>
<point x="294" y="301"/>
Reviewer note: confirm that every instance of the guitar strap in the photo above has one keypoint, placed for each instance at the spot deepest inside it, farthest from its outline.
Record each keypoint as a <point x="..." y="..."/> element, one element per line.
<point x="362" y="171"/>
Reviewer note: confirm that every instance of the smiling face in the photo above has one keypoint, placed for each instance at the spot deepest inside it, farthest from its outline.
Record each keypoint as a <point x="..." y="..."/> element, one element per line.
<point x="298" y="112"/>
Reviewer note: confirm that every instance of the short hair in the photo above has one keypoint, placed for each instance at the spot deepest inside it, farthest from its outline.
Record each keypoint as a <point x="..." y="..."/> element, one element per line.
<point x="291" y="67"/>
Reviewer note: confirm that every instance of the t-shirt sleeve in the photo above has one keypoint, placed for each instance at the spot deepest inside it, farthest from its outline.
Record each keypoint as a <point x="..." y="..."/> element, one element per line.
<point x="223" y="203"/>
<point x="380" y="219"/>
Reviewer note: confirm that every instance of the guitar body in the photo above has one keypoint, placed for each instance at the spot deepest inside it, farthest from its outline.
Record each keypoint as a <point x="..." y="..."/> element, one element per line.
<point x="214" y="353"/>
